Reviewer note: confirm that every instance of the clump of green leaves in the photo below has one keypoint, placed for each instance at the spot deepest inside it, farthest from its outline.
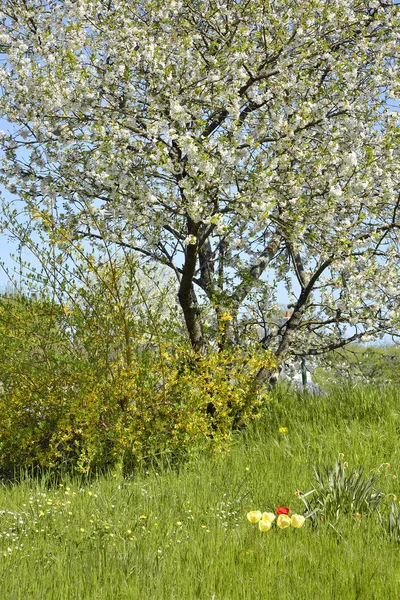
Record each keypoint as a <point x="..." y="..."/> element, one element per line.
<point x="342" y="491"/>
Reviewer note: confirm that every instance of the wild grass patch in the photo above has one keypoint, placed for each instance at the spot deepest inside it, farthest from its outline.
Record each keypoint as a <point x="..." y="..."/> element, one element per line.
<point x="183" y="533"/>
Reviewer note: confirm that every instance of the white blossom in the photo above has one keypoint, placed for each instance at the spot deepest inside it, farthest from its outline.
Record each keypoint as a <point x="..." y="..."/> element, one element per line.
<point x="276" y="153"/>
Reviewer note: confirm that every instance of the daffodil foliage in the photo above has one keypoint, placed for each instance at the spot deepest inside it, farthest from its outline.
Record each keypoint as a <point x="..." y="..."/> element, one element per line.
<point x="244" y="144"/>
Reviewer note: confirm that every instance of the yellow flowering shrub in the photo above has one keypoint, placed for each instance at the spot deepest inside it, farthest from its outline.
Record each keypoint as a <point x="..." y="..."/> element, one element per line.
<point x="199" y="402"/>
<point x="90" y="409"/>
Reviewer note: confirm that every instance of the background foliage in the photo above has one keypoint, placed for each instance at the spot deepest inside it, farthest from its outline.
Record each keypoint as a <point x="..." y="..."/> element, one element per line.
<point x="356" y="364"/>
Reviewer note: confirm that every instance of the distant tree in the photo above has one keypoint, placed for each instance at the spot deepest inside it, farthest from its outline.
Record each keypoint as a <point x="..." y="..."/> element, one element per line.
<point x="377" y="365"/>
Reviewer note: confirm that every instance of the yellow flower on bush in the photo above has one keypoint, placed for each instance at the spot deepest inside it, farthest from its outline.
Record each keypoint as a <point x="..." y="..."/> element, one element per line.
<point x="254" y="516"/>
<point x="297" y="521"/>
<point x="226" y="316"/>
<point x="283" y="521"/>
<point x="264" y="525"/>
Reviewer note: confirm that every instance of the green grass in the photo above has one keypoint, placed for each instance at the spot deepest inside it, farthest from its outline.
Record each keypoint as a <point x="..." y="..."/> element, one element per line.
<point x="183" y="534"/>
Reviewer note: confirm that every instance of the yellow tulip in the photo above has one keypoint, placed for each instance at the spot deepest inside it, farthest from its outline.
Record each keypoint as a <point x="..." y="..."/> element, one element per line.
<point x="264" y="525"/>
<point x="283" y="521"/>
<point x="297" y="521"/>
<point x="254" y="516"/>
<point x="268" y="517"/>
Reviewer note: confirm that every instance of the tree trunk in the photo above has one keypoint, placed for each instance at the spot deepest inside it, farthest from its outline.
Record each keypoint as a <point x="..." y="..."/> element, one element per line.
<point x="189" y="303"/>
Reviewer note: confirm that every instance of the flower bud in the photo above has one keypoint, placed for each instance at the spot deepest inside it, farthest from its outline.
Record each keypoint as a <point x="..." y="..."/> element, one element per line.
<point x="282" y="510"/>
<point x="254" y="516"/>
<point x="264" y="525"/>
<point x="297" y="521"/>
<point x="268" y="517"/>
<point x="283" y="521"/>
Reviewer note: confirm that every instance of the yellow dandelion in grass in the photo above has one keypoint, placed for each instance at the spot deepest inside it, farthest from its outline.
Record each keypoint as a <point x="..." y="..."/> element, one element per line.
<point x="283" y="430"/>
<point x="254" y="516"/>
<point x="357" y="515"/>
<point x="82" y="530"/>
<point x="143" y="517"/>
<point x="41" y="514"/>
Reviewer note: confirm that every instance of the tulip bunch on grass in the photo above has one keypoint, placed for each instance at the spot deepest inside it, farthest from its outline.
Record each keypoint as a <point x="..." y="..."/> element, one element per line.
<point x="283" y="520"/>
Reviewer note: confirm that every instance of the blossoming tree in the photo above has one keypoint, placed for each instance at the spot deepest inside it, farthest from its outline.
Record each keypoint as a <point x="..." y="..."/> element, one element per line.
<point x="244" y="144"/>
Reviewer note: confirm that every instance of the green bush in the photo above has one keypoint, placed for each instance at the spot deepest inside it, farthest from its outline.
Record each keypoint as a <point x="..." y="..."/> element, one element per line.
<point x="91" y="389"/>
<point x="342" y="491"/>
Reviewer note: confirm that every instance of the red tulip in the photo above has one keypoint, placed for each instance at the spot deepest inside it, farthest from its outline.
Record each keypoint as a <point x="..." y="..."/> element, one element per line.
<point x="282" y="510"/>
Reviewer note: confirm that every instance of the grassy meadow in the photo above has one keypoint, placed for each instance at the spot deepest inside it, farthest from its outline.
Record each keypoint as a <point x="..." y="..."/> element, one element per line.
<point x="182" y="533"/>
